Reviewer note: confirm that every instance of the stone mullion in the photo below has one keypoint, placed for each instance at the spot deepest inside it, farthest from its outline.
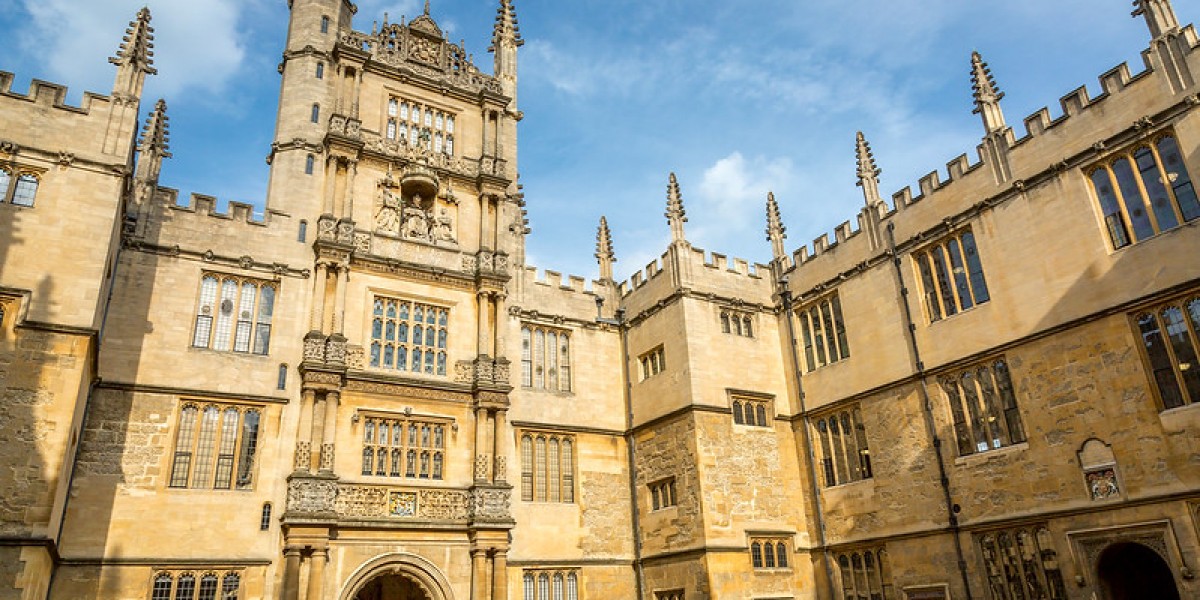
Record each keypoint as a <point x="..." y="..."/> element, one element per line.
<point x="303" y="458"/>
<point x="332" y="399"/>
<point x="317" y="318"/>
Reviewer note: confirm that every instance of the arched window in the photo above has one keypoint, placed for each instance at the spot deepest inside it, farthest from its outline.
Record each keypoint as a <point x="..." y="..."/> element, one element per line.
<point x="844" y="453"/>
<point x="316" y="113"/>
<point x="303" y="233"/>
<point x="756" y="559"/>
<point x="230" y="586"/>
<point x="185" y="588"/>
<point x="761" y="411"/>
<point x="737" y="413"/>
<point x="725" y="323"/>
<point x="781" y="555"/>
<point x="264" y="520"/>
<point x="320" y="70"/>
<point x="208" y="587"/>
<point x="25" y="190"/>
<point x="310" y="163"/>
<point x="768" y="551"/>
<point x="747" y="328"/>
<point x="324" y="24"/>
<point x="162" y="587"/>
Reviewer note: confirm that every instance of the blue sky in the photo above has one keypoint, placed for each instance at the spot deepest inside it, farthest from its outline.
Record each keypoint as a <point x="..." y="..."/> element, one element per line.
<point x="736" y="97"/>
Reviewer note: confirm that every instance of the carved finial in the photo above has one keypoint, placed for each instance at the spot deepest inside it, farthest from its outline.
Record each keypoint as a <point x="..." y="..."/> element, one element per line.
<point x="868" y="173"/>
<point x="987" y="94"/>
<point x="776" y="233"/>
<point x="1159" y="14"/>
<point x="385" y="19"/>
<point x="156" y="134"/>
<point x="604" y="250"/>
<point x="675" y="214"/>
<point x="427" y="8"/>
<point x="135" y="57"/>
<point x="507" y="29"/>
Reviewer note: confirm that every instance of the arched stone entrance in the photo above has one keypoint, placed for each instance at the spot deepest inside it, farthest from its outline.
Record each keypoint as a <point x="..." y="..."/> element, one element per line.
<point x="397" y="576"/>
<point x="1131" y="571"/>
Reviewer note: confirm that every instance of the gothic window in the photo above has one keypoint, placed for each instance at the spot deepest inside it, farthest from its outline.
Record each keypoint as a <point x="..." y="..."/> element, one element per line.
<point x="183" y="585"/>
<point x="215" y="446"/>
<point x="320" y="70"/>
<point x="264" y="519"/>
<point x="403" y="447"/>
<point x="409" y="336"/>
<point x="556" y="584"/>
<point x="662" y="494"/>
<point x="547" y="467"/>
<point x="450" y="124"/>
<point x="864" y="574"/>
<point x="751" y="412"/>
<point x="824" y="333"/>
<point x="324" y="24"/>
<point x="310" y="162"/>
<point x="1022" y="563"/>
<point x="769" y="553"/>
<point x="234" y="313"/>
<point x="844" y="453"/>
<point x="984" y="408"/>
<point x="545" y="358"/>
<point x="1144" y="191"/>
<point x="25" y="190"/>
<point x="1170" y="335"/>
<point x="736" y="323"/>
<point x="652" y="362"/>
<point x="951" y="276"/>
<point x="316" y="113"/>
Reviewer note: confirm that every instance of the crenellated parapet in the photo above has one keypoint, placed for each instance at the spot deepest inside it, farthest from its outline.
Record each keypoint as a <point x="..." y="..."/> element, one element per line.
<point x="57" y="138"/>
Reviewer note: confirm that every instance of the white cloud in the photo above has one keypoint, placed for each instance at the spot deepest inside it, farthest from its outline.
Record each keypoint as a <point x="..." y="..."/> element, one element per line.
<point x="198" y="47"/>
<point x="731" y="198"/>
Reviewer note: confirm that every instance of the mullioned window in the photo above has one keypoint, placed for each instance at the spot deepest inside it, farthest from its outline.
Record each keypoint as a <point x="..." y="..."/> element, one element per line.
<point x="403" y="447"/>
<point x="545" y="358"/>
<point x="1143" y="191"/>
<point x="1170" y="336"/>
<point x="845" y="455"/>
<point x="547" y="467"/>
<point x="216" y="446"/>
<point x="409" y="336"/>
<point x="234" y="313"/>
<point x="951" y="276"/>
<point x="984" y="407"/>
<point x="824" y="332"/>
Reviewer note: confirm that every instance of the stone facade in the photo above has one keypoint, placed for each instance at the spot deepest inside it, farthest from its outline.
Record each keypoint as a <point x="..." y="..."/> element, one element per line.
<point x="369" y="389"/>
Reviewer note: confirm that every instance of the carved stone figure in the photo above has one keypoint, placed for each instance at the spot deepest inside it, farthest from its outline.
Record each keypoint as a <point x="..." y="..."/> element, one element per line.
<point x="387" y="219"/>
<point x="443" y="228"/>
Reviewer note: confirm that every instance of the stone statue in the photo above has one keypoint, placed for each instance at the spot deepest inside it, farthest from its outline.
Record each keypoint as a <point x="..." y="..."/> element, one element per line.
<point x="387" y="219"/>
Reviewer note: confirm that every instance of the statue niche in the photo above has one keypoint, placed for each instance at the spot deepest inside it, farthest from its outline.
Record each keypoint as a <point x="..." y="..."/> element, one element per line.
<point x="414" y="212"/>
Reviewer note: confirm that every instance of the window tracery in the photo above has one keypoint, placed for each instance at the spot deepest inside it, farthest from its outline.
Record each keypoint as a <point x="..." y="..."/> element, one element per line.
<point x="864" y="574"/>
<point x="1170" y="336"/>
<point x="951" y="275"/>
<point x="216" y="446"/>
<point x="409" y="336"/>
<point x="234" y="313"/>
<point x="652" y="362"/>
<point x="752" y="412"/>
<point x="1022" y="563"/>
<point x="844" y="453"/>
<point x="184" y="585"/>
<point x="545" y="358"/>
<point x="403" y="447"/>
<point x="547" y="467"/>
<point x="662" y="494"/>
<point x="824" y="333"/>
<point x="555" y="584"/>
<point x="736" y="323"/>
<point x="984" y="408"/>
<point x="1144" y="191"/>
<point x="416" y="124"/>
<point x="769" y="553"/>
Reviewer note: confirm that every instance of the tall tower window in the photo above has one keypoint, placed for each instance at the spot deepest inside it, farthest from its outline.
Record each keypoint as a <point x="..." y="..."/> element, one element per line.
<point x="309" y="163"/>
<point x="324" y="24"/>
<point x="316" y="113"/>
<point x="320" y="70"/>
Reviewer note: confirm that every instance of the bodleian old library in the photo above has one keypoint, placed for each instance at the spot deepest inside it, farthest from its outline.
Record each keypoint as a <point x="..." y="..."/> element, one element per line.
<point x="985" y="388"/>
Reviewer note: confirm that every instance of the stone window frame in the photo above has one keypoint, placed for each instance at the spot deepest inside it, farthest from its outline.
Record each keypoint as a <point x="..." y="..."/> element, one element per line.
<point x="539" y="371"/>
<point x="843" y="458"/>
<point x="258" y="322"/>
<point x="544" y="480"/>
<point x="866" y="570"/>
<point x="12" y="176"/>
<point x="815" y="320"/>
<point x="751" y="409"/>
<point x="999" y="547"/>
<point x="410" y="122"/>
<point x="550" y="584"/>
<point x="1111" y="195"/>
<point x="402" y="343"/>
<point x="1163" y="362"/>
<point x="663" y="494"/>
<point x="736" y="322"/>
<point x="1159" y="535"/>
<point x="983" y="418"/>
<point x="652" y="362"/>
<point x="195" y="461"/>
<point x="417" y="454"/>
<point x="950" y="276"/>
<point x="165" y="583"/>
<point x="770" y="552"/>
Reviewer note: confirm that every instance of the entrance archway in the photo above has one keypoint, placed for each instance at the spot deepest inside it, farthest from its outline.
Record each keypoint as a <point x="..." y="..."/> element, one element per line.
<point x="1131" y="571"/>
<point x="392" y="587"/>
<point x="397" y="576"/>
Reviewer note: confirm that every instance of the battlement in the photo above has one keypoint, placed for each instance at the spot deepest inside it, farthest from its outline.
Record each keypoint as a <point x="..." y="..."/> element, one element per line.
<point x="1040" y="149"/>
<point x="48" y="94"/>
<point x="206" y="206"/>
<point x="554" y="280"/>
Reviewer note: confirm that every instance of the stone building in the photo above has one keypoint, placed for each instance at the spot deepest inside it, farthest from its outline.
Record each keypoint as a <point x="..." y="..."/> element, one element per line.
<point x="987" y="389"/>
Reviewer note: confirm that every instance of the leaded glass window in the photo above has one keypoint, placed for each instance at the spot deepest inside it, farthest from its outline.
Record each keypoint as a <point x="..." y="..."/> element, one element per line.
<point x="1170" y="335"/>
<point x="409" y="336"/>
<point x="388" y="452"/>
<point x="547" y="467"/>
<point x="1144" y="191"/>
<point x="823" y="330"/>
<point x="951" y="276"/>
<point x="212" y="443"/>
<point x="545" y="358"/>
<point x="844" y="452"/>
<point x="234" y="313"/>
<point x="984" y="408"/>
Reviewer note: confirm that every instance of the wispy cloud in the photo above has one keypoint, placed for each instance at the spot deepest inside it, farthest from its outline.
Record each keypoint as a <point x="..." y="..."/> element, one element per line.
<point x="731" y="195"/>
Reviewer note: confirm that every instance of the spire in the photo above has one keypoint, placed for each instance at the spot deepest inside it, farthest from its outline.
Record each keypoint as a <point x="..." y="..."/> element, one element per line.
<point x="427" y="8"/>
<point x="987" y="95"/>
<point x="868" y="173"/>
<point x="604" y="251"/>
<point x="506" y="38"/>
<point x="135" y="57"/>
<point x="1159" y="15"/>
<point x="776" y="233"/>
<point x="154" y="145"/>
<point x="675" y="214"/>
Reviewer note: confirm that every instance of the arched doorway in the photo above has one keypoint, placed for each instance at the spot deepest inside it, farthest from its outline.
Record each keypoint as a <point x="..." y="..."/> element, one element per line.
<point x="392" y="587"/>
<point x="397" y="576"/>
<point x="1131" y="571"/>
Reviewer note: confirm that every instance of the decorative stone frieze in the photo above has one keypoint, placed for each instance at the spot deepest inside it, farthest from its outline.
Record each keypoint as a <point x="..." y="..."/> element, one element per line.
<point x="311" y="496"/>
<point x="383" y="502"/>
<point x="303" y="451"/>
<point x="490" y="504"/>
